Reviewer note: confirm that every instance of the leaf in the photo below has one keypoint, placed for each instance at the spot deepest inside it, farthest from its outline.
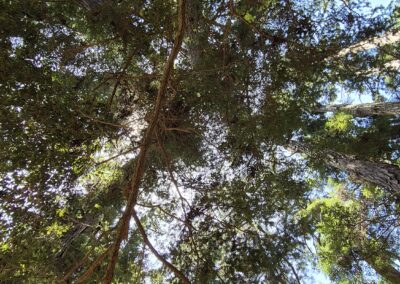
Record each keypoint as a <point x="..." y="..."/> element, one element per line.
<point x="4" y="247"/>
<point x="61" y="212"/>
<point x="249" y="17"/>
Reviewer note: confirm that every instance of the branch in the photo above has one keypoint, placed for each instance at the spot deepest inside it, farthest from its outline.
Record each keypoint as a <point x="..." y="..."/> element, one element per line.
<point x="257" y="30"/>
<point x="116" y="156"/>
<point x="118" y="82"/>
<point x="75" y="267"/>
<point x="139" y="170"/>
<point x="186" y="130"/>
<point x="389" y="37"/>
<point x="93" y="266"/>
<point x="101" y="121"/>
<point x="146" y="240"/>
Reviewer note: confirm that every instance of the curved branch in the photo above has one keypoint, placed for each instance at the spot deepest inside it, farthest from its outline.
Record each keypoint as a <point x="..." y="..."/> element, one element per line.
<point x="146" y="240"/>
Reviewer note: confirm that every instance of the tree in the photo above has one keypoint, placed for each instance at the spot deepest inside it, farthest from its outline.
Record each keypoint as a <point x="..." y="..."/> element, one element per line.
<point x="348" y="238"/>
<point x="172" y="115"/>
<point x="380" y="174"/>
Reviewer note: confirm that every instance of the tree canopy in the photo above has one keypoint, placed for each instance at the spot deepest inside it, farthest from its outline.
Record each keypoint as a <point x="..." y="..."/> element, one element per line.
<point x="190" y="141"/>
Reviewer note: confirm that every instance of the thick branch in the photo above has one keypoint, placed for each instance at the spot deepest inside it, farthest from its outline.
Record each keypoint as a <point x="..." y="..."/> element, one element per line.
<point x="75" y="267"/>
<point x="139" y="170"/>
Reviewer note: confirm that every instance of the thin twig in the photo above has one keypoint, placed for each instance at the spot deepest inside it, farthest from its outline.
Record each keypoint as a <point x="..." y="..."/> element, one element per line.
<point x="100" y="121"/>
<point x="171" y="174"/>
<point x="294" y="271"/>
<point x="117" y="155"/>
<point x="118" y="82"/>
<point x="166" y="213"/>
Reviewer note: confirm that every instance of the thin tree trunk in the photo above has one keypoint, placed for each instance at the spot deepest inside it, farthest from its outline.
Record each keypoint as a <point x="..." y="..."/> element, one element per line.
<point x="367" y="109"/>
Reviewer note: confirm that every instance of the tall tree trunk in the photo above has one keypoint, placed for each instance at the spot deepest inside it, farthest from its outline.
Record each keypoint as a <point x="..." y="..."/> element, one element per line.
<point x="377" y="173"/>
<point x="389" y="37"/>
<point x="193" y="25"/>
<point x="382" y="267"/>
<point x="367" y="109"/>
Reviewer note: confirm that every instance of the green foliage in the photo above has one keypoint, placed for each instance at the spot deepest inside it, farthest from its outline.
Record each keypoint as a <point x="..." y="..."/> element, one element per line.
<point x="346" y="237"/>
<point x="338" y="123"/>
<point x="221" y="197"/>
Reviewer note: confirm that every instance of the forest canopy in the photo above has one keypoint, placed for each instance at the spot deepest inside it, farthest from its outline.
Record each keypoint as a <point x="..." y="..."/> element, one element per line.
<point x="191" y="141"/>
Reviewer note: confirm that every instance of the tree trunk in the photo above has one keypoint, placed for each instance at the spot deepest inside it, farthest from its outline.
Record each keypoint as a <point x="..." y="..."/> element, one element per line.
<point x="389" y="37"/>
<point x="377" y="173"/>
<point x="193" y="25"/>
<point x="367" y="109"/>
<point x="383" y="268"/>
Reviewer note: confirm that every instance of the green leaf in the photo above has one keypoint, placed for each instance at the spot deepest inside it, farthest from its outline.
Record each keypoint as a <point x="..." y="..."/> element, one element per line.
<point x="249" y="17"/>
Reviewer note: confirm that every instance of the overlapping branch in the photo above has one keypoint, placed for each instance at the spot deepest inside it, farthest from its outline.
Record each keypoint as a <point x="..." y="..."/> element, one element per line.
<point x="140" y="165"/>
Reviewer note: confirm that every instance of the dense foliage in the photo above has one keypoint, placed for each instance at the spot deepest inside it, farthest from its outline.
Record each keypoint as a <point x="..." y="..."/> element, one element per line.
<point x="207" y="128"/>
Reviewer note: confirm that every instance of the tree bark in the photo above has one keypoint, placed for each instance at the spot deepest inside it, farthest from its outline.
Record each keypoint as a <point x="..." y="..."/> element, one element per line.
<point x="383" y="268"/>
<point x="362" y="110"/>
<point x="378" y="173"/>
<point x="389" y="37"/>
<point x="193" y="25"/>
